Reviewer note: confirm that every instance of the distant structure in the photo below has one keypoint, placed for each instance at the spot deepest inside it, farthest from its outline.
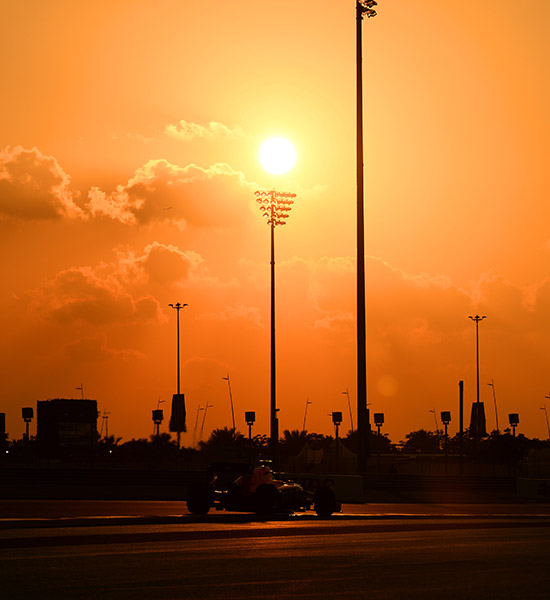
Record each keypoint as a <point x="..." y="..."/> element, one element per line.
<point x="66" y="424"/>
<point x="3" y="434"/>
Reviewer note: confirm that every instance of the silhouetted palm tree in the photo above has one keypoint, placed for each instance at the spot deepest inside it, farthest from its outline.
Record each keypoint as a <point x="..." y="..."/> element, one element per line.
<point x="293" y="442"/>
<point x="222" y="441"/>
<point x="421" y="442"/>
<point x="319" y="441"/>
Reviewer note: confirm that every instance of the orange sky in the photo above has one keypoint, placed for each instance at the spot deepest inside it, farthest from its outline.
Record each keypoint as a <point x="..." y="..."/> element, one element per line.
<point x="129" y="134"/>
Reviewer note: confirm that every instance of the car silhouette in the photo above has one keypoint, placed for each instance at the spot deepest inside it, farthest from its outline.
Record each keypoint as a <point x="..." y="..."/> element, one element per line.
<point x="257" y="489"/>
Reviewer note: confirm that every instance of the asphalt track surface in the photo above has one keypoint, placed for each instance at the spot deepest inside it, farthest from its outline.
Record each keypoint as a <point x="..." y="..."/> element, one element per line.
<point x="45" y="522"/>
<point x="19" y="510"/>
<point x="118" y="550"/>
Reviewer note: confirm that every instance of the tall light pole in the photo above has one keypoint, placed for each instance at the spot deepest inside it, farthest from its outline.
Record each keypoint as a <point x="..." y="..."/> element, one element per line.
<point x="476" y="320"/>
<point x="230" y="399"/>
<point x="308" y="402"/>
<point x="105" y="424"/>
<point x="346" y="393"/>
<point x="178" y="426"/>
<point x="204" y="416"/>
<point x="196" y="422"/>
<point x="492" y="384"/>
<point x="435" y="420"/>
<point x="275" y="207"/>
<point x="363" y="7"/>
<point x="477" y="422"/>
<point x="546" y="415"/>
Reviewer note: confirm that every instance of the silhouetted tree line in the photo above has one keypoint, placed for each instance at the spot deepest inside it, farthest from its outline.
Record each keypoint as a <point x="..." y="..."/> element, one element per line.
<point x="228" y="444"/>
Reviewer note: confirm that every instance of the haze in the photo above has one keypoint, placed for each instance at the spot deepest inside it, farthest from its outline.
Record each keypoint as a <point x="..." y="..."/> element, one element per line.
<point x="129" y="136"/>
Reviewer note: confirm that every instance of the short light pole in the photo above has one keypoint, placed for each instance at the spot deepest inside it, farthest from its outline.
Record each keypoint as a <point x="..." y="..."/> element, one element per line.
<point x="275" y="207"/>
<point x="363" y="8"/>
<point x="513" y="419"/>
<point x="158" y="417"/>
<point x="178" y="306"/>
<point x="446" y="419"/>
<point x="250" y="418"/>
<point x="230" y="399"/>
<point x="28" y="415"/>
<point x="378" y="421"/>
<point x="337" y="420"/>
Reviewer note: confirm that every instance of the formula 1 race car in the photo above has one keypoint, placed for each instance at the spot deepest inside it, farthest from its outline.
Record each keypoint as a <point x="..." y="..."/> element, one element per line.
<point x="245" y="488"/>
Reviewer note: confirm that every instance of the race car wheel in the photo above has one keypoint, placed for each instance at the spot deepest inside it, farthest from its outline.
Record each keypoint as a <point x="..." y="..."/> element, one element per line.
<point x="265" y="499"/>
<point x="324" y="501"/>
<point x="200" y="498"/>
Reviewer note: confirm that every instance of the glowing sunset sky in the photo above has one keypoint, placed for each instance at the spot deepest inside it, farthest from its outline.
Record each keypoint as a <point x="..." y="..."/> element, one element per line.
<point x="129" y="137"/>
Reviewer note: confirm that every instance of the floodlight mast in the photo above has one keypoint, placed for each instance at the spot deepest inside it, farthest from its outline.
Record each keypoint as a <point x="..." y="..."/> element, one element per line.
<point x="275" y="207"/>
<point x="363" y="8"/>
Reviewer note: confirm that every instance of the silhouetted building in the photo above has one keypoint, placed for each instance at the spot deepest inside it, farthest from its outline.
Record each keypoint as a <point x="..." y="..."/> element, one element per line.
<point x="66" y="424"/>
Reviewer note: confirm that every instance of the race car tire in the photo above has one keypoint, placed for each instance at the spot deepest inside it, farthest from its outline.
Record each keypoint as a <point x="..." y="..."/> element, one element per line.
<point x="265" y="499"/>
<point x="324" y="501"/>
<point x="200" y="498"/>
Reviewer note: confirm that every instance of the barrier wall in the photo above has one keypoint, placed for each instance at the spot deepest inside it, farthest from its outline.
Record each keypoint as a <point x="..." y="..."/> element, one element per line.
<point x="348" y="488"/>
<point x="534" y="489"/>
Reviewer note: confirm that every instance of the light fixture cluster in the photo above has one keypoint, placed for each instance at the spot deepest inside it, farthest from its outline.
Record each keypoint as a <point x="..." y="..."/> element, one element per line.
<point x="275" y="206"/>
<point x="365" y="6"/>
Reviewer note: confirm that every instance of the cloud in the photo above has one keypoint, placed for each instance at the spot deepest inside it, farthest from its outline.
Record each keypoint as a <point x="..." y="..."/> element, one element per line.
<point x="414" y="308"/>
<point x="331" y="287"/>
<point x="239" y="312"/>
<point x="94" y="296"/>
<point x="168" y="265"/>
<point x="96" y="348"/>
<point x="335" y="321"/>
<point x="159" y="191"/>
<point x="34" y="186"/>
<point x="188" y="131"/>
<point x="123" y="290"/>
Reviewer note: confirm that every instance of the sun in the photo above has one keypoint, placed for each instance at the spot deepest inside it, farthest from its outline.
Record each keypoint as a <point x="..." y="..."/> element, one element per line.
<point x="277" y="155"/>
